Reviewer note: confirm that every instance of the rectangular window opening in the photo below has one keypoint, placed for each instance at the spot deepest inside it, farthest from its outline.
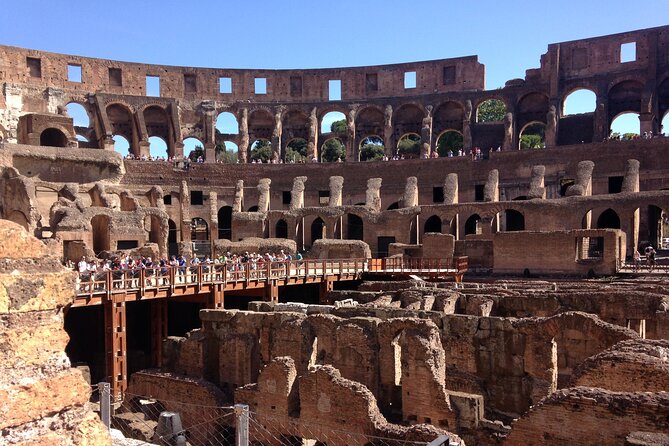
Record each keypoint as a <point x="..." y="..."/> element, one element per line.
<point x="628" y="52"/>
<point x="616" y="185"/>
<point x="74" y="73"/>
<point x="167" y="200"/>
<point x="34" y="66"/>
<point x="323" y="197"/>
<point x="437" y="194"/>
<point x="334" y="90"/>
<point x="286" y="197"/>
<point x="478" y="192"/>
<point x="115" y="77"/>
<point x="371" y="82"/>
<point x="449" y="75"/>
<point x="410" y="79"/>
<point x="225" y="85"/>
<point x="190" y="83"/>
<point x="196" y="198"/>
<point x="261" y="85"/>
<point x="126" y="244"/>
<point x="590" y="248"/>
<point x="153" y="86"/>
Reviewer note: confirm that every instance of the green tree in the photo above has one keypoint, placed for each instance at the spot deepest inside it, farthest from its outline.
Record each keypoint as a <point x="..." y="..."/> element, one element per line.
<point x="333" y="150"/>
<point x="339" y="127"/>
<point x="224" y="155"/>
<point x="533" y="137"/>
<point x="371" y="149"/>
<point x="198" y="151"/>
<point x="409" y="146"/>
<point x="296" y="150"/>
<point x="492" y="110"/>
<point x="261" y="150"/>
<point x="450" y="142"/>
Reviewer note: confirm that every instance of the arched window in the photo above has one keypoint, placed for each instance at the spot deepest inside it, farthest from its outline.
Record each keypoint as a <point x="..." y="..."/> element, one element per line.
<point x="226" y="124"/>
<point x="317" y="230"/>
<point x="450" y="142"/>
<point x="473" y="225"/>
<point x="532" y="136"/>
<point x="121" y="145"/>
<point x="409" y="146"/>
<point x="157" y="147"/>
<point x="355" y="227"/>
<point x="608" y="220"/>
<point x="433" y="224"/>
<point x="78" y="114"/>
<point x="580" y="101"/>
<point x="514" y="220"/>
<point x="53" y="137"/>
<point x="194" y="149"/>
<point x="371" y="148"/>
<point x="625" y="126"/>
<point x="333" y="150"/>
<point x="281" y="229"/>
<point x="332" y="122"/>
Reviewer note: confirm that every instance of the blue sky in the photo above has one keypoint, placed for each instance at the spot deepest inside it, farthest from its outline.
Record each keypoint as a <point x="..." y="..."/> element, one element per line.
<point x="509" y="37"/>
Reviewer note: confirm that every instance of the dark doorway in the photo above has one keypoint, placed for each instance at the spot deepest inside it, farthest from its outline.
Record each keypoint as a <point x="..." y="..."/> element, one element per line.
<point x="317" y="229"/>
<point x="472" y="224"/>
<point x="225" y="223"/>
<point x="355" y="227"/>
<point x="608" y="220"/>
<point x="281" y="230"/>
<point x="172" y="246"/>
<point x="433" y="224"/>
<point x="52" y="137"/>
<point x="515" y="221"/>
<point x="383" y="245"/>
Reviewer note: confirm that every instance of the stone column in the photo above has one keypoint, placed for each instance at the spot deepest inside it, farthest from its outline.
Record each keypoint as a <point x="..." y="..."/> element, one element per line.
<point x="373" y="194"/>
<point x="508" y="132"/>
<point x="312" y="143"/>
<point x="466" y="126"/>
<point x="263" y="194"/>
<point x="213" y="217"/>
<point x="238" y="202"/>
<point x="426" y="134"/>
<point x="351" y="152"/>
<point x="537" y="188"/>
<point x="410" y="197"/>
<point x="631" y="179"/>
<point x="297" y="193"/>
<point x="276" y="134"/>
<point x="184" y="206"/>
<point x="336" y="187"/>
<point x="550" y="135"/>
<point x="388" y="140"/>
<point x="243" y="150"/>
<point x="491" y="188"/>
<point x="209" y="125"/>
<point x="451" y="189"/>
<point x="601" y="120"/>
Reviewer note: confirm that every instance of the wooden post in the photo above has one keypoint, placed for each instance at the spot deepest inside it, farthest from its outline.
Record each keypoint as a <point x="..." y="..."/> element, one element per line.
<point x="217" y="297"/>
<point x="323" y="291"/>
<point x="271" y="291"/>
<point x="116" y="363"/>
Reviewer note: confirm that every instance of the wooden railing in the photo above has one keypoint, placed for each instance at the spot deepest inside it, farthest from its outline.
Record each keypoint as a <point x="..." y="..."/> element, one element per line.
<point x="420" y="264"/>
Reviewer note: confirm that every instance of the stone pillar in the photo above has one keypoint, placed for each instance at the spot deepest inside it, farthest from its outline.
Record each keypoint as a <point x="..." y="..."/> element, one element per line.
<point x="601" y="120"/>
<point x="213" y="217"/>
<point x="373" y="194"/>
<point x="351" y="151"/>
<point x="243" y="150"/>
<point x="336" y="188"/>
<point x="451" y="189"/>
<point x="184" y="206"/>
<point x="631" y="179"/>
<point x="550" y="135"/>
<point x="491" y="188"/>
<point x="466" y="126"/>
<point x="276" y="134"/>
<point x="263" y="194"/>
<point x="508" y="132"/>
<point x="312" y="143"/>
<point x="238" y="202"/>
<point x="583" y="184"/>
<point x="537" y="187"/>
<point x="209" y="127"/>
<point x="426" y="134"/>
<point x="297" y="193"/>
<point x="388" y="140"/>
<point x="410" y="197"/>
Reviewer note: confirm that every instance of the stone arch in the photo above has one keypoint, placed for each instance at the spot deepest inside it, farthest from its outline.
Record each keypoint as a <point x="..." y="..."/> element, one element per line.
<point x="449" y="141"/>
<point x="263" y="155"/>
<point x="331" y="150"/>
<point x="579" y="100"/>
<point x="663" y="104"/>
<point x="226" y="124"/>
<point x="447" y="115"/>
<point x="121" y="145"/>
<point x="514" y="220"/>
<point x="354" y="227"/>
<point x="157" y="124"/>
<point x="328" y="116"/>
<point x="369" y="121"/>
<point x="296" y="150"/>
<point x="608" y="219"/>
<point x="491" y="101"/>
<point x="318" y="229"/>
<point x="473" y="224"/>
<point x="193" y="148"/>
<point x="408" y="118"/>
<point x="121" y="120"/>
<point x="53" y="137"/>
<point x="624" y="124"/>
<point x="624" y="96"/>
<point x="531" y="107"/>
<point x="537" y="130"/>
<point x="158" y="147"/>
<point x="199" y="229"/>
<point x="432" y="224"/>
<point x="225" y="222"/>
<point x="260" y="124"/>
<point x="409" y="145"/>
<point x="370" y="155"/>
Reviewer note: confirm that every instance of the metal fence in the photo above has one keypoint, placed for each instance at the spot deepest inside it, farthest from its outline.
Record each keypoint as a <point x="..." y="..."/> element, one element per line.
<point x="172" y="423"/>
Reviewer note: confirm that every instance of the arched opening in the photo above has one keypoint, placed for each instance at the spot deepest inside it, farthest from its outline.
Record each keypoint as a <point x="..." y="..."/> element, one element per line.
<point x="397" y="358"/>
<point x="226" y="124"/>
<point x="532" y="136"/>
<point x="296" y="150"/>
<point x="413" y="230"/>
<point x="199" y="229"/>
<point x="261" y="151"/>
<point x="53" y="138"/>
<point x="608" y="220"/>
<point x="625" y="97"/>
<point x="395" y="205"/>
<point x="473" y="225"/>
<point x="333" y="122"/>
<point x="79" y="115"/>
<point x="252" y="209"/>
<point x="371" y="149"/>
<point x="491" y="110"/>
<point x="295" y="129"/>
<point x="514" y="220"/>
<point x="157" y="147"/>
<point x="409" y="146"/>
<point x="152" y="224"/>
<point x="225" y="223"/>
<point x="579" y="101"/>
<point x="355" y="227"/>
<point x="172" y="238"/>
<point x="318" y="229"/>
<point x="121" y="145"/>
<point x="657" y="222"/>
<point x="369" y="121"/>
<point x="333" y="150"/>
<point x="227" y="152"/>
<point x="194" y="149"/>
<point x="158" y="125"/>
<point x="450" y="143"/>
<point x="432" y="224"/>
<point x="281" y="229"/>
<point x="121" y="121"/>
<point x="100" y="229"/>
<point x="408" y="118"/>
<point x="82" y="138"/>
<point x="625" y="126"/>
<point x="664" y="126"/>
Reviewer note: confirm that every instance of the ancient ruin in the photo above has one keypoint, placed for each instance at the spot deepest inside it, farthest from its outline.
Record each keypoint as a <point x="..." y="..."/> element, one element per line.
<point x="556" y="335"/>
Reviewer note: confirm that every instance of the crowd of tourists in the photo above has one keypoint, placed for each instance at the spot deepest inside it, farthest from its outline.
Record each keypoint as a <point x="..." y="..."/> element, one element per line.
<point x="128" y="267"/>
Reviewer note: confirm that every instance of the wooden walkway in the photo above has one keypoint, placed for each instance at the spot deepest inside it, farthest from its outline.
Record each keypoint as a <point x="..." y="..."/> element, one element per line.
<point x="207" y="285"/>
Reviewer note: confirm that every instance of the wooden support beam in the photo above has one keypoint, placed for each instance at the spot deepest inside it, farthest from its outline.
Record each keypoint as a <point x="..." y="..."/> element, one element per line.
<point x="271" y="292"/>
<point x="324" y="289"/>
<point x="116" y="349"/>
<point x="216" y="296"/>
